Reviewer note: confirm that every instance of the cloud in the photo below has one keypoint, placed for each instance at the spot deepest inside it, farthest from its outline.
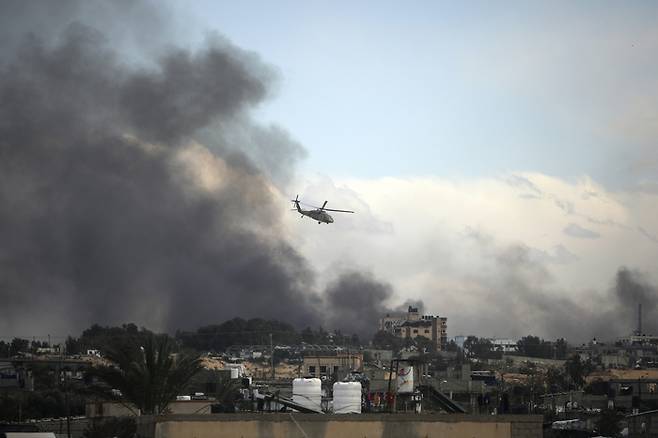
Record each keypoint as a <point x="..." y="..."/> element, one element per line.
<point x="575" y="230"/>
<point x="473" y="250"/>
<point x="648" y="235"/>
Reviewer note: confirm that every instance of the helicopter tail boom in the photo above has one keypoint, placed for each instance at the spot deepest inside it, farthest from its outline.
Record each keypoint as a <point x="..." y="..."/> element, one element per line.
<point x="296" y="202"/>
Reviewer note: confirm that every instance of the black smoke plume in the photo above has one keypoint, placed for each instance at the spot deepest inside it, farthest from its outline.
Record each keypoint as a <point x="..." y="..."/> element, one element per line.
<point x="110" y="208"/>
<point x="632" y="288"/>
<point x="356" y="301"/>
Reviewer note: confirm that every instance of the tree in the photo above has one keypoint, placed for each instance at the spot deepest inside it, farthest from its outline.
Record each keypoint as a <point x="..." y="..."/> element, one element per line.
<point x="480" y="348"/>
<point x="561" y="348"/>
<point x="238" y="331"/>
<point x="19" y="345"/>
<point x="5" y="349"/>
<point x="452" y="346"/>
<point x="425" y="345"/>
<point x="148" y="377"/>
<point x="577" y="370"/>
<point x="387" y="341"/>
<point x="556" y="380"/>
<point x="105" y="339"/>
<point x="533" y="346"/>
<point x="73" y="345"/>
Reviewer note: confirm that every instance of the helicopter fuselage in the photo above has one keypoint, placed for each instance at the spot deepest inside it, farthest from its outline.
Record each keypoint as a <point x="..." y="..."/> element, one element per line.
<point x="318" y="215"/>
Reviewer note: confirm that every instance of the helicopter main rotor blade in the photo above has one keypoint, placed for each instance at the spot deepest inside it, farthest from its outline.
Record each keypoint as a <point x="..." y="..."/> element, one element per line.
<point x="340" y="211"/>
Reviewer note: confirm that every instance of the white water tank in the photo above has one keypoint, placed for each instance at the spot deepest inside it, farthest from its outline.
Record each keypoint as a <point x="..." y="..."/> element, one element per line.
<point x="236" y="369"/>
<point x="347" y="398"/>
<point x="307" y="392"/>
<point x="405" y="380"/>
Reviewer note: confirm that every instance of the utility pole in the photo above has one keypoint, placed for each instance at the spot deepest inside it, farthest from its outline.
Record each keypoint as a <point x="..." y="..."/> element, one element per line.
<point x="272" y="356"/>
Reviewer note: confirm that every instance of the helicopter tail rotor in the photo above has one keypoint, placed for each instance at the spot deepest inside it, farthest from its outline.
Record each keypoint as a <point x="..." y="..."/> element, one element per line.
<point x="296" y="202"/>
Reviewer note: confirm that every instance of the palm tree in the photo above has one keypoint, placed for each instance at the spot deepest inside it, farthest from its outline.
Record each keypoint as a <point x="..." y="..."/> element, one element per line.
<point x="147" y="377"/>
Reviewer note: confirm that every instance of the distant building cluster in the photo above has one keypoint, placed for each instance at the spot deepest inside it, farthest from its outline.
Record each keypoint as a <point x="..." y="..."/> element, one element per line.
<point x="413" y="325"/>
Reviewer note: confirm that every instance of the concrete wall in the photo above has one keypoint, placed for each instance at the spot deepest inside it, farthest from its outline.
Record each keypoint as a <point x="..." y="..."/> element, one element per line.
<point x="344" y="426"/>
<point x="114" y="409"/>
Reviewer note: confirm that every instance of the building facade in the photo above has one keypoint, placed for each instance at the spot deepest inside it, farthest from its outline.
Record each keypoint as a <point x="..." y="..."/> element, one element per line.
<point x="333" y="364"/>
<point x="413" y="325"/>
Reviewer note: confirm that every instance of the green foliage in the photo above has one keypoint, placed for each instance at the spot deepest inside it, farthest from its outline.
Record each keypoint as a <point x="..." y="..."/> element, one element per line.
<point x="256" y="331"/>
<point x="106" y="339"/>
<point x="338" y="338"/>
<point x="19" y="345"/>
<point x="480" y="348"/>
<point x="424" y="344"/>
<point x="556" y="380"/>
<point x="561" y="349"/>
<point x="73" y="345"/>
<point x="239" y="331"/>
<point x="39" y="404"/>
<point x="147" y="375"/>
<point x="5" y="349"/>
<point x="533" y="346"/>
<point x="452" y="347"/>
<point x="577" y="370"/>
<point x="387" y="341"/>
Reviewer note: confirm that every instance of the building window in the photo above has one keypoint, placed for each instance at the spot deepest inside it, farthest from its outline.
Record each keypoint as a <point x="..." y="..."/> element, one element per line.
<point x="415" y="331"/>
<point x="336" y="369"/>
<point x="427" y="331"/>
<point x="323" y="369"/>
<point x="311" y="370"/>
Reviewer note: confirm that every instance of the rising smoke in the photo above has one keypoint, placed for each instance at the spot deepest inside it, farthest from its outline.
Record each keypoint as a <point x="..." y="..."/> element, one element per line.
<point x="134" y="185"/>
<point x="515" y="295"/>
<point x="358" y="301"/>
<point x="110" y="208"/>
<point x="632" y="288"/>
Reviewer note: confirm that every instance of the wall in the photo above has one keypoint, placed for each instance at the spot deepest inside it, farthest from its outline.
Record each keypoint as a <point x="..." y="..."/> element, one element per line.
<point x="345" y="426"/>
<point x="114" y="409"/>
<point x="340" y="361"/>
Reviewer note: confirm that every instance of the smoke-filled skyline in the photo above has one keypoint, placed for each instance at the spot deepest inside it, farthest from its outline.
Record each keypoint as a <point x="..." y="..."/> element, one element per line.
<point x="139" y="183"/>
<point x="144" y="191"/>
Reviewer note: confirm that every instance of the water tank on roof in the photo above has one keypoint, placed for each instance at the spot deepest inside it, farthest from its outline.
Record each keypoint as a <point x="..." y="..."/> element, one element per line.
<point x="347" y="398"/>
<point x="307" y="392"/>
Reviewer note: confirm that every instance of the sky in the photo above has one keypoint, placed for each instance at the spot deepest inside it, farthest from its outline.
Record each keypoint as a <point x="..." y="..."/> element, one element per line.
<point x="438" y="88"/>
<point x="500" y="159"/>
<point x="531" y="125"/>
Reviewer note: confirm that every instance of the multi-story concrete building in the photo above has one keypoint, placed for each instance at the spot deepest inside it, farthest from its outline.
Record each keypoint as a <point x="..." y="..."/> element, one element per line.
<point x="332" y="363"/>
<point x="413" y="324"/>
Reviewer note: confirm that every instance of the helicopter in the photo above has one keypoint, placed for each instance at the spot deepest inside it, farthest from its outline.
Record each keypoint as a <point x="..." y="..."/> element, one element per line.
<point x="319" y="213"/>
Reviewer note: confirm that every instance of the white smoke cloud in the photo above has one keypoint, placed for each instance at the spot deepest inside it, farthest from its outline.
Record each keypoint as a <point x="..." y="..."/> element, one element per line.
<point x="489" y="253"/>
